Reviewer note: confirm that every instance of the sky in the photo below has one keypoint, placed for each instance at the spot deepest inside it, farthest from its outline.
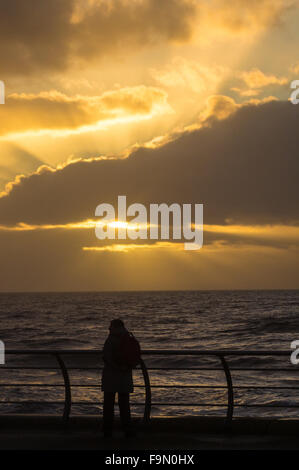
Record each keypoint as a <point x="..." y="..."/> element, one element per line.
<point x="173" y="101"/>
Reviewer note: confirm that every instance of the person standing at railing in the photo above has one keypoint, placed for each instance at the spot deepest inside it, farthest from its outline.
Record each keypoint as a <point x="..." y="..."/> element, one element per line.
<point x="120" y="354"/>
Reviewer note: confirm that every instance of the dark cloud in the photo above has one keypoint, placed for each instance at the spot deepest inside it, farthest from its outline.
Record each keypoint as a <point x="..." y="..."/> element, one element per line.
<point x="107" y="27"/>
<point x="34" y="35"/>
<point x="46" y="35"/>
<point x="49" y="35"/>
<point x="243" y="168"/>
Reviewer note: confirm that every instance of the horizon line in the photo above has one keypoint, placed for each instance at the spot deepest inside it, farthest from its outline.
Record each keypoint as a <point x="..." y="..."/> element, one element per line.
<point x="147" y="290"/>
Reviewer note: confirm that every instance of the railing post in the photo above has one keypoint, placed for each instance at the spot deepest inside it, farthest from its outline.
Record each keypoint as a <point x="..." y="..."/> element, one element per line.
<point x="67" y="388"/>
<point x="148" y="393"/>
<point x="230" y="392"/>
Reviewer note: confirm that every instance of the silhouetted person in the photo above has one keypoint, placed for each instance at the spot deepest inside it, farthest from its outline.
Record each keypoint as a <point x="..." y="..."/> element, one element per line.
<point x="116" y="378"/>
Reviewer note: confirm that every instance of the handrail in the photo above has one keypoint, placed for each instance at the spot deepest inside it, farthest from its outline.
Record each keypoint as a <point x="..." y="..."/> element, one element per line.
<point x="169" y="352"/>
<point x="148" y="393"/>
<point x="220" y="354"/>
<point x="230" y="392"/>
<point x="67" y="388"/>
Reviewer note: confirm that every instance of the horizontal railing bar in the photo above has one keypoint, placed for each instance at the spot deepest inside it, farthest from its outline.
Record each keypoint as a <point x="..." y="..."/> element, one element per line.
<point x="36" y="385"/>
<point x="99" y="403"/>
<point x="153" y="404"/>
<point x="255" y="369"/>
<point x="170" y="352"/>
<point x="231" y="369"/>
<point x="20" y="367"/>
<point x="135" y="385"/>
<point x="6" y="367"/>
<point x="236" y="387"/>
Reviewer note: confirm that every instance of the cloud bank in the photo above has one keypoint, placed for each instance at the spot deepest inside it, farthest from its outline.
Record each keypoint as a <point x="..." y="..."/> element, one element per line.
<point x="52" y="35"/>
<point x="242" y="168"/>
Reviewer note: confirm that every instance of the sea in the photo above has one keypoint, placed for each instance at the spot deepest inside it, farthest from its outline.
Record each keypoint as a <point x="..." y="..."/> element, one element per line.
<point x="173" y="320"/>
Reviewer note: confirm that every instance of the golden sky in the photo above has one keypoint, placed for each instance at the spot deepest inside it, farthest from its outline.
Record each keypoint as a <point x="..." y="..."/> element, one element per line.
<point x="169" y="101"/>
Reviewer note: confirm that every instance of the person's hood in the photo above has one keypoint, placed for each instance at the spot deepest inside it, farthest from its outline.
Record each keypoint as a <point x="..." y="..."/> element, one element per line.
<point x="120" y="331"/>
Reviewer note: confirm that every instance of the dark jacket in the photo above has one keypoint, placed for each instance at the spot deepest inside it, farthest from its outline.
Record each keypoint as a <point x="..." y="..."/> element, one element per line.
<point x="115" y="377"/>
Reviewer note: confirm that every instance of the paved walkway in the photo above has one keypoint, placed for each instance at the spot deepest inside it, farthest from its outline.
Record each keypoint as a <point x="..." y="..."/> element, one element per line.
<point x="44" y="432"/>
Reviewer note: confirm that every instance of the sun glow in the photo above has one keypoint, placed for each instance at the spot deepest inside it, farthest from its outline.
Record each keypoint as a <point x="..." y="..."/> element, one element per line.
<point x="126" y="248"/>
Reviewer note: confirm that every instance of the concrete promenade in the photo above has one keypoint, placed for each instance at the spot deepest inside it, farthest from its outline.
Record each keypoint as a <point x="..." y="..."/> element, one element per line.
<point x="84" y="432"/>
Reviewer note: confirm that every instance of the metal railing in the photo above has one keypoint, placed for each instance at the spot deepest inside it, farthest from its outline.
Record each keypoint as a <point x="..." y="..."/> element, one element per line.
<point x="221" y="355"/>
